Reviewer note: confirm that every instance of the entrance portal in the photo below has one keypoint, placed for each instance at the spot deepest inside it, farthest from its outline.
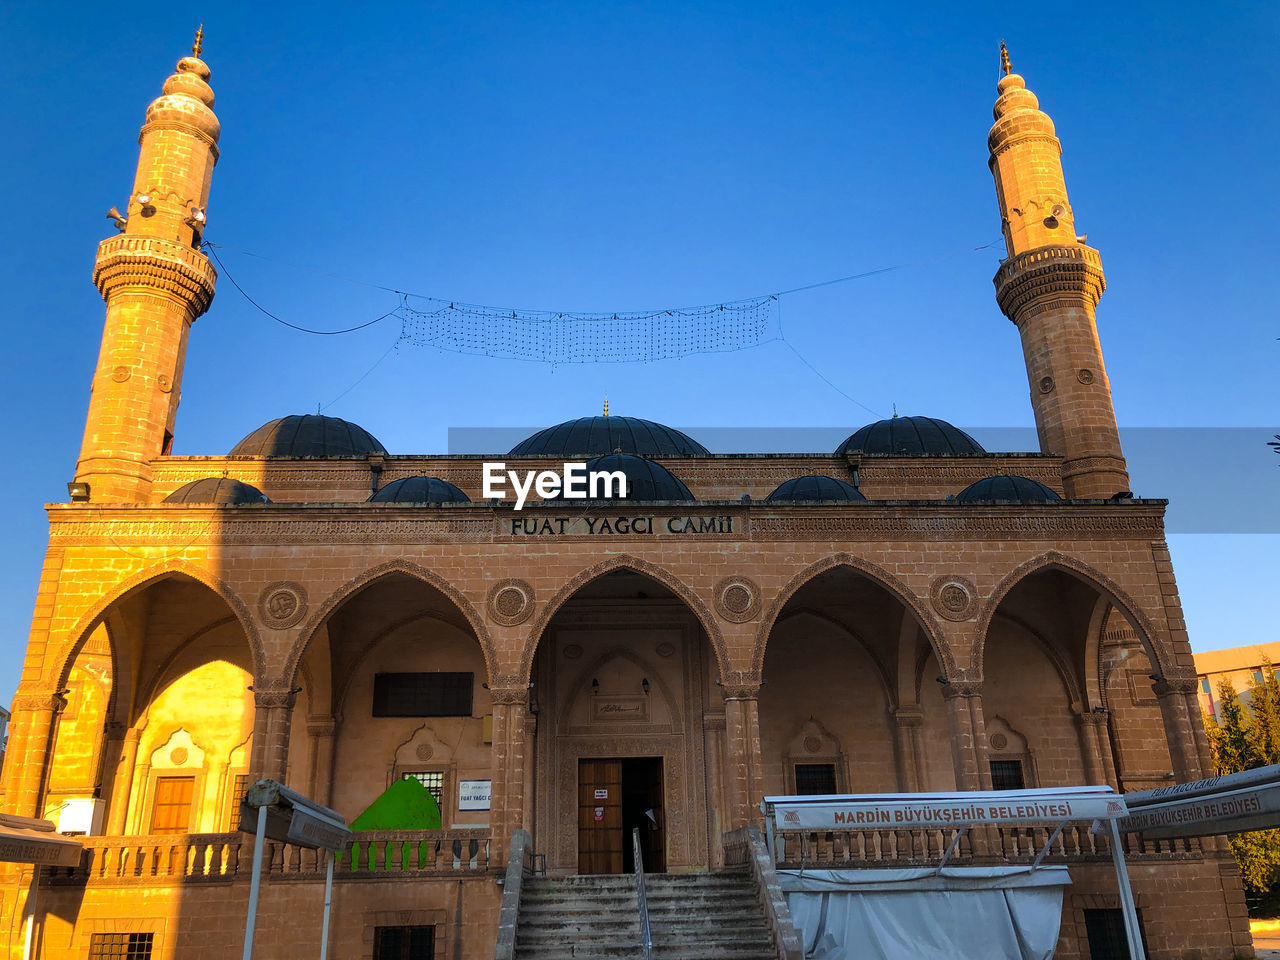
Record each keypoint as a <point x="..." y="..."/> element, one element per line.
<point x="614" y="797"/>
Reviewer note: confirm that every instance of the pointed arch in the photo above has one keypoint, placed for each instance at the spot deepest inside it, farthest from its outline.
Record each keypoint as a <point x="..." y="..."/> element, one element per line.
<point x="618" y="653"/>
<point x="881" y="671"/>
<point x="877" y="575"/>
<point x="1070" y="682"/>
<point x="380" y="572"/>
<point x="621" y="562"/>
<point x="1054" y="560"/>
<point x="96" y="614"/>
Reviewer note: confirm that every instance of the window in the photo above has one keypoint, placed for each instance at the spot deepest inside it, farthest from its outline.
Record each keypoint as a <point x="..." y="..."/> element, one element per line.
<point x="240" y="784"/>
<point x="1105" y="931"/>
<point x="404" y="943"/>
<point x="171" y="809"/>
<point x="433" y="780"/>
<point x="120" y="946"/>
<point x="1204" y="685"/>
<point x="815" y="779"/>
<point x="422" y="694"/>
<point x="1257" y="676"/>
<point x="1007" y="775"/>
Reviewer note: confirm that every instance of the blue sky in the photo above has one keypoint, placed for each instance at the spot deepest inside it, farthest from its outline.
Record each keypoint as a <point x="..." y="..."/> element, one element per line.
<point x="623" y="156"/>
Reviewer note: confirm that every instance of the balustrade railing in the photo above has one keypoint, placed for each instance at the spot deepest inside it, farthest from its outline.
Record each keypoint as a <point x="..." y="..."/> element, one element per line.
<point x="212" y="857"/>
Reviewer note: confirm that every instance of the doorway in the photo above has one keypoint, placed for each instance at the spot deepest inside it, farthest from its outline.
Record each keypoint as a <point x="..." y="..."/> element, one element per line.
<point x="615" y="796"/>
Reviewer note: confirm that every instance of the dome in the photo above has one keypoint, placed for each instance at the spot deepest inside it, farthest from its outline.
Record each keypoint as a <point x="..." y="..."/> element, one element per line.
<point x="420" y="490"/>
<point x="1018" y="489"/>
<point x="596" y="436"/>
<point x="309" y="435"/>
<point x="911" y="437"/>
<point x="219" y="490"/>
<point x="646" y="479"/>
<point x="814" y="487"/>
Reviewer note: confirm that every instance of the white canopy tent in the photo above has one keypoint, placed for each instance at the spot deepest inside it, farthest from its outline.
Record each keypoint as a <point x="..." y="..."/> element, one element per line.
<point x="988" y="912"/>
<point x="1233" y="803"/>
<point x="29" y="840"/>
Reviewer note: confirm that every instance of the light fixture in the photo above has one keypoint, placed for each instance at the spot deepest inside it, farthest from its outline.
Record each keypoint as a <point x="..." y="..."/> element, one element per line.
<point x="644" y="685"/>
<point x="118" y="218"/>
<point x="144" y="198"/>
<point x="595" y="686"/>
<point x="195" y="218"/>
<point x="78" y="492"/>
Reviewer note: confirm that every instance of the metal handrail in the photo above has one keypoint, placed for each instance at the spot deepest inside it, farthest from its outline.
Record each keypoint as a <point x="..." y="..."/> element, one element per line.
<point x="646" y="935"/>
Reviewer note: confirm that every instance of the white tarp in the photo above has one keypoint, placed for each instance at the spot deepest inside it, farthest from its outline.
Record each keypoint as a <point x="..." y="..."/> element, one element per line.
<point x="992" y="913"/>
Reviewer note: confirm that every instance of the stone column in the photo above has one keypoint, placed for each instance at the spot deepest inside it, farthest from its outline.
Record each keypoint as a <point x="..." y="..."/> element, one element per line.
<point x="122" y="780"/>
<point x="968" y="734"/>
<point x="1087" y="725"/>
<point x="1173" y="694"/>
<point x="509" y="765"/>
<point x="907" y="723"/>
<point x="269" y="756"/>
<point x="323" y="734"/>
<point x="745" y="780"/>
<point x="27" y="755"/>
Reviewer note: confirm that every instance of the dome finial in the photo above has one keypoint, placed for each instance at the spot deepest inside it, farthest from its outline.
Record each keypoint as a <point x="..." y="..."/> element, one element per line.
<point x="199" y="42"/>
<point x="606" y="405"/>
<point x="1005" y="65"/>
<point x="895" y="411"/>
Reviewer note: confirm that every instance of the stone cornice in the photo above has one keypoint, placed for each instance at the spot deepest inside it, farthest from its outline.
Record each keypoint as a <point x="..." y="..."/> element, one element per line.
<point x="164" y="265"/>
<point x="1048" y="273"/>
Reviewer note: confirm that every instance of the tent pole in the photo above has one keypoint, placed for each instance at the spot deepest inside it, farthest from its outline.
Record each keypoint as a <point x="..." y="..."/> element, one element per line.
<point x="27" y="945"/>
<point x="328" y="900"/>
<point x="255" y="882"/>
<point x="1126" y="893"/>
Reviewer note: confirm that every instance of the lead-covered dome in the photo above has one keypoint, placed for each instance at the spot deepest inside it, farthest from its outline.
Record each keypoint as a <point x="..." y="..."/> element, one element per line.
<point x="910" y="437"/>
<point x="420" y="490"/>
<point x="218" y="490"/>
<point x="1012" y="488"/>
<point x="308" y="435"/>
<point x="596" y="436"/>
<point x="814" y="487"/>
<point x="646" y="480"/>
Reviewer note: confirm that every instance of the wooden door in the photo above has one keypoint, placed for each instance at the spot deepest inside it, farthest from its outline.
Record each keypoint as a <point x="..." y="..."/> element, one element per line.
<point x="600" y="816"/>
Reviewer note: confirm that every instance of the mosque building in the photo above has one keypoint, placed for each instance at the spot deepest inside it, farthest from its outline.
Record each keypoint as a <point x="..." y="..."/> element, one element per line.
<point x="906" y="613"/>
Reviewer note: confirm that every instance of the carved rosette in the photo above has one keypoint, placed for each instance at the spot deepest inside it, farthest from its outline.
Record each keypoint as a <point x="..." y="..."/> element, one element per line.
<point x="510" y="602"/>
<point x="1048" y="273"/>
<point x="155" y="262"/>
<point x="737" y="599"/>
<point x="953" y="597"/>
<point x="282" y="604"/>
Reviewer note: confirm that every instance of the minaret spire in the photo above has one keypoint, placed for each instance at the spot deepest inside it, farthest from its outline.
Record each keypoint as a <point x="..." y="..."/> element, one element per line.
<point x="1049" y="286"/>
<point x="155" y="282"/>
<point x="198" y="46"/>
<point x="1005" y="66"/>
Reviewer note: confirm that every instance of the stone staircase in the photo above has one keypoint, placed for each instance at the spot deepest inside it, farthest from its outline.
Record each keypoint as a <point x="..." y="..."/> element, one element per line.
<point x="692" y="916"/>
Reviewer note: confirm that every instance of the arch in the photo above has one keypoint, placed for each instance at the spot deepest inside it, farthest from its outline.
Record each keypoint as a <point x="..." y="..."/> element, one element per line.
<point x="1070" y="682"/>
<point x="882" y="674"/>
<point x="621" y="562"/>
<point x="877" y="575"/>
<point x="616" y="653"/>
<point x="157" y="684"/>
<point x="145" y="578"/>
<point x="1054" y="560"/>
<point x="352" y="587"/>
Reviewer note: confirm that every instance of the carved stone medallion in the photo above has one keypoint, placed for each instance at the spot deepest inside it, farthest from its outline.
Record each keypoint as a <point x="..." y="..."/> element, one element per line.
<point x="737" y="599"/>
<point x="510" y="602"/>
<point x="1085" y="376"/>
<point x="282" y="604"/>
<point x="954" y="598"/>
<point x="1046" y="384"/>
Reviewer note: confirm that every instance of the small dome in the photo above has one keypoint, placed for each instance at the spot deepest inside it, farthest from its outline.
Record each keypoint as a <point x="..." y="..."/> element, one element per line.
<point x="309" y="435"/>
<point x="596" y="436"/>
<point x="814" y="487"/>
<point x="219" y="490"/>
<point x="420" y="490"/>
<point x="910" y="437"/>
<point x="1016" y="489"/>
<point x="646" y="480"/>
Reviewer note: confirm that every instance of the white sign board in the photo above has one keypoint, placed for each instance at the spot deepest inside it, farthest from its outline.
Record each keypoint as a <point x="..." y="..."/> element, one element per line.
<point x="473" y="794"/>
<point x="943" y="810"/>
<point x="1253" y="808"/>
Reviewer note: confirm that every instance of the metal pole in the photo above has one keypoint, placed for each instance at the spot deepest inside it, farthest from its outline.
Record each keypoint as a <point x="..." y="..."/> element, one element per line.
<point x="27" y="953"/>
<point x="1126" y="893"/>
<point x="328" y="899"/>
<point x="254" y="883"/>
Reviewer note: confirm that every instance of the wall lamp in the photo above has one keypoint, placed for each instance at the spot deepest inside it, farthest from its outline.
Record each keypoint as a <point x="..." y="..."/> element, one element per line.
<point x="644" y="685"/>
<point x="595" y="686"/>
<point x="78" y="492"/>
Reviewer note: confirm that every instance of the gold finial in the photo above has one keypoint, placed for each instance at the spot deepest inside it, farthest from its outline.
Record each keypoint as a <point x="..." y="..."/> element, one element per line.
<point x="199" y="44"/>
<point x="606" y="406"/>
<point x="1005" y="65"/>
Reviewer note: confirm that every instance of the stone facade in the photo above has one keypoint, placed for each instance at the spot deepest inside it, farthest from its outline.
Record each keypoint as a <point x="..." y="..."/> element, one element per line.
<point x="908" y="643"/>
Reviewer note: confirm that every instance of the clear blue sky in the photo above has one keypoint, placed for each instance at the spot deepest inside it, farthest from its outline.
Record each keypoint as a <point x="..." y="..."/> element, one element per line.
<point x="618" y="156"/>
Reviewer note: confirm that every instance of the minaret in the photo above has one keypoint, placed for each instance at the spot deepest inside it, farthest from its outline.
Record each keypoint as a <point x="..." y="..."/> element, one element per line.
<point x="1049" y="287"/>
<point x="156" y="282"/>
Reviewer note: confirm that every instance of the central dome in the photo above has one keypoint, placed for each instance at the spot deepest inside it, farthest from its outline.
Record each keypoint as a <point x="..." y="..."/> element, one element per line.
<point x="597" y="436"/>
<point x="911" y="437"/>
<point x="308" y="435"/>
<point x="647" y="481"/>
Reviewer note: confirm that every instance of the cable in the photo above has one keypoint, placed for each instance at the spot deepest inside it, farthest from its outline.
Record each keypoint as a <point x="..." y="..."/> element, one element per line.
<point x="362" y="377"/>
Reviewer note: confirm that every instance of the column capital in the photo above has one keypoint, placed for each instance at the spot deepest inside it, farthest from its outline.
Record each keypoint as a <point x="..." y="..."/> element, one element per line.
<point x="321" y="726"/>
<point x="1167" y="686"/>
<point x="509" y="694"/>
<point x="912" y="716"/>
<point x="25" y="702"/>
<point x="275" y="698"/>
<point x="1097" y="717"/>
<point x="966" y="689"/>
<point x="741" y="685"/>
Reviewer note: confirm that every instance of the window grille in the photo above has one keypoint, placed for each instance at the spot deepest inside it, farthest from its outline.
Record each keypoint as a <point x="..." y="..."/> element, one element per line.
<point x="815" y="779"/>
<point x="120" y="946"/>
<point x="433" y="780"/>
<point x="1007" y="775"/>
<point x="422" y="694"/>
<point x="240" y="784"/>
<point x="404" y="943"/>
